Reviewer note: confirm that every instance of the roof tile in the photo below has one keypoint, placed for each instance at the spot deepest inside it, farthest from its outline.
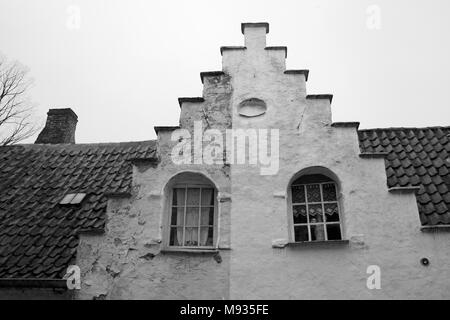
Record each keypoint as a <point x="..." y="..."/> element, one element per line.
<point x="426" y="165"/>
<point x="38" y="237"/>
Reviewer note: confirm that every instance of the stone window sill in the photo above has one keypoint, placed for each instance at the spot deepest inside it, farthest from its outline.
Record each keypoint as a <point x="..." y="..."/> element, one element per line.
<point x="308" y="244"/>
<point x="191" y="250"/>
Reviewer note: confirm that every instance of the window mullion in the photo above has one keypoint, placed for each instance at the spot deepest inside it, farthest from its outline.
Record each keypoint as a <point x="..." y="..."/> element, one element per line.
<point x="323" y="213"/>
<point x="292" y="216"/>
<point x="339" y="211"/>
<point x="307" y="214"/>
<point x="184" y="218"/>
<point x="199" y="216"/>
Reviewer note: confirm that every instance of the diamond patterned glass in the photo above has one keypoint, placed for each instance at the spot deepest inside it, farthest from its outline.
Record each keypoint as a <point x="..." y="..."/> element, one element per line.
<point x="316" y="215"/>
<point x="313" y="193"/>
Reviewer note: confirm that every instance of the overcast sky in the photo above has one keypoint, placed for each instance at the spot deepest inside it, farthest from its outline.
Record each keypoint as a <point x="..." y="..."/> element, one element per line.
<point x="123" y="66"/>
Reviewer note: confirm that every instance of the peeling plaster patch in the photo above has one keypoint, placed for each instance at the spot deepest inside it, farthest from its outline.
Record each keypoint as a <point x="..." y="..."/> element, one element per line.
<point x="218" y="258"/>
<point x="149" y="256"/>
<point x="130" y="247"/>
<point x="357" y="241"/>
<point x="113" y="271"/>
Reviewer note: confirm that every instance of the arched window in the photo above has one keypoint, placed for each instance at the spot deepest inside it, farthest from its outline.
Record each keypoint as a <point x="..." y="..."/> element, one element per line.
<point x="192" y="212"/>
<point x="315" y="209"/>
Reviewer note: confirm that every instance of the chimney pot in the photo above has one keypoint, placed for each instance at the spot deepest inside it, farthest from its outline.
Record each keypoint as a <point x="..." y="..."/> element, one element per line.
<point x="59" y="128"/>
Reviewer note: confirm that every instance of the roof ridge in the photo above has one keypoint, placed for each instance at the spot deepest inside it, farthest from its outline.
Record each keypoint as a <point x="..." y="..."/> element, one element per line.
<point x="97" y="144"/>
<point x="406" y="128"/>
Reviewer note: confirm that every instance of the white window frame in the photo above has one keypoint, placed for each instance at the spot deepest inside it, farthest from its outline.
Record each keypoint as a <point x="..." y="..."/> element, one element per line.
<point x="187" y="186"/>
<point x="306" y="204"/>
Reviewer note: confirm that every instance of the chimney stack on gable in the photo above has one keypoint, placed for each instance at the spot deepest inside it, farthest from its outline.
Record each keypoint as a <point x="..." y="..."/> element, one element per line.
<point x="59" y="128"/>
<point x="255" y="34"/>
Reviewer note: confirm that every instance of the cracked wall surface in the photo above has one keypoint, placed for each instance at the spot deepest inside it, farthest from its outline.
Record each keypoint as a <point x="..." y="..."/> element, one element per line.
<point x="256" y="260"/>
<point x="127" y="262"/>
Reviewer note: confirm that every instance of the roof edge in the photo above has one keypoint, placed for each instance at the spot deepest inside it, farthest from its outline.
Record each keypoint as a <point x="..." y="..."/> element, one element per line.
<point x="190" y="99"/>
<point x="32" y="283"/>
<point x="75" y="145"/>
<point x="406" y="128"/>
<point x="404" y="189"/>
<point x="254" y="25"/>
<point x="278" y="48"/>
<point x="305" y="72"/>
<point x="166" y="128"/>
<point x="373" y="155"/>
<point x="320" y="96"/>
<point x="349" y="124"/>
<point x="211" y="74"/>
<point x="230" y="48"/>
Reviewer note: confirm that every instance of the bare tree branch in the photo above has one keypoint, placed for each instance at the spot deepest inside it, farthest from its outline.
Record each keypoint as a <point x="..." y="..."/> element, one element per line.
<point x="15" y="110"/>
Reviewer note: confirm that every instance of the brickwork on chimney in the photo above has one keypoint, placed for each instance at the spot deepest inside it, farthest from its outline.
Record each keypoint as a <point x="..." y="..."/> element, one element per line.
<point x="60" y="127"/>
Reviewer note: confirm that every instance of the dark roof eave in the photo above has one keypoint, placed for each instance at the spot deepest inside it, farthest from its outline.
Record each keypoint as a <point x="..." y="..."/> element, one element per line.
<point x="404" y="128"/>
<point x="32" y="283"/>
<point x="305" y="72"/>
<point x="231" y="48"/>
<point x="329" y="97"/>
<point x="245" y="25"/>
<point x="190" y="99"/>
<point x="278" y="48"/>
<point x="210" y="74"/>
<point x="166" y="128"/>
<point x="348" y="124"/>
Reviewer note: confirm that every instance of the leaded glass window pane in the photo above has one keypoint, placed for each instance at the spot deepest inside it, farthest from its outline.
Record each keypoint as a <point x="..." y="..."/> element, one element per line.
<point x="329" y="192"/>
<point x="313" y="193"/>
<point x="331" y="212"/>
<point x="301" y="233"/>
<point x="298" y="194"/>
<point x="300" y="214"/>
<point x="315" y="209"/>
<point x="334" y="232"/>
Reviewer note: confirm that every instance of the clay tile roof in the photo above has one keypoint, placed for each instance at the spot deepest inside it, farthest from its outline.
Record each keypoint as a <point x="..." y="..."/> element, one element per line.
<point x="416" y="157"/>
<point x="38" y="236"/>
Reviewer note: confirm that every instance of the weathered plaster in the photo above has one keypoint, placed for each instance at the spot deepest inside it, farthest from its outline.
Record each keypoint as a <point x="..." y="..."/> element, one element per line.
<point x="382" y="227"/>
<point x="128" y="261"/>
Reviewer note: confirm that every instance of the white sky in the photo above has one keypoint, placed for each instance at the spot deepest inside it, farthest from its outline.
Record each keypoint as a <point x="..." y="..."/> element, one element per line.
<point x="124" y="68"/>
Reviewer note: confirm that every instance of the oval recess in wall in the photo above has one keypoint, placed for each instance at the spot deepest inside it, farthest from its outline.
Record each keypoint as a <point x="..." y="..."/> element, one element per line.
<point x="252" y="108"/>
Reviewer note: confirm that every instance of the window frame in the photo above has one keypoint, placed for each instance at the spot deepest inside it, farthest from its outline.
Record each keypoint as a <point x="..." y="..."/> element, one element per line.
<point x="307" y="203"/>
<point x="190" y="185"/>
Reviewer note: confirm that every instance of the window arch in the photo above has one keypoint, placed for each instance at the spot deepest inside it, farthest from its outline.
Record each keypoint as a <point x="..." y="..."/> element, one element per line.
<point x="192" y="214"/>
<point x="315" y="208"/>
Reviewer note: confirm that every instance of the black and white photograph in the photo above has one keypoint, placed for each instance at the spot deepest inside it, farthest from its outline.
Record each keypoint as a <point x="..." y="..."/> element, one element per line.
<point x="224" y="155"/>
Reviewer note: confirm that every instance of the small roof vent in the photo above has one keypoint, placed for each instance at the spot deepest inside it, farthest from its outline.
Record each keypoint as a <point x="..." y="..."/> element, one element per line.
<point x="73" y="198"/>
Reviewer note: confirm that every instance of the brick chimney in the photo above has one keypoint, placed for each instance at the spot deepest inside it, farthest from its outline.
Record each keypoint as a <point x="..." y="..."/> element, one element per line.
<point x="60" y="127"/>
